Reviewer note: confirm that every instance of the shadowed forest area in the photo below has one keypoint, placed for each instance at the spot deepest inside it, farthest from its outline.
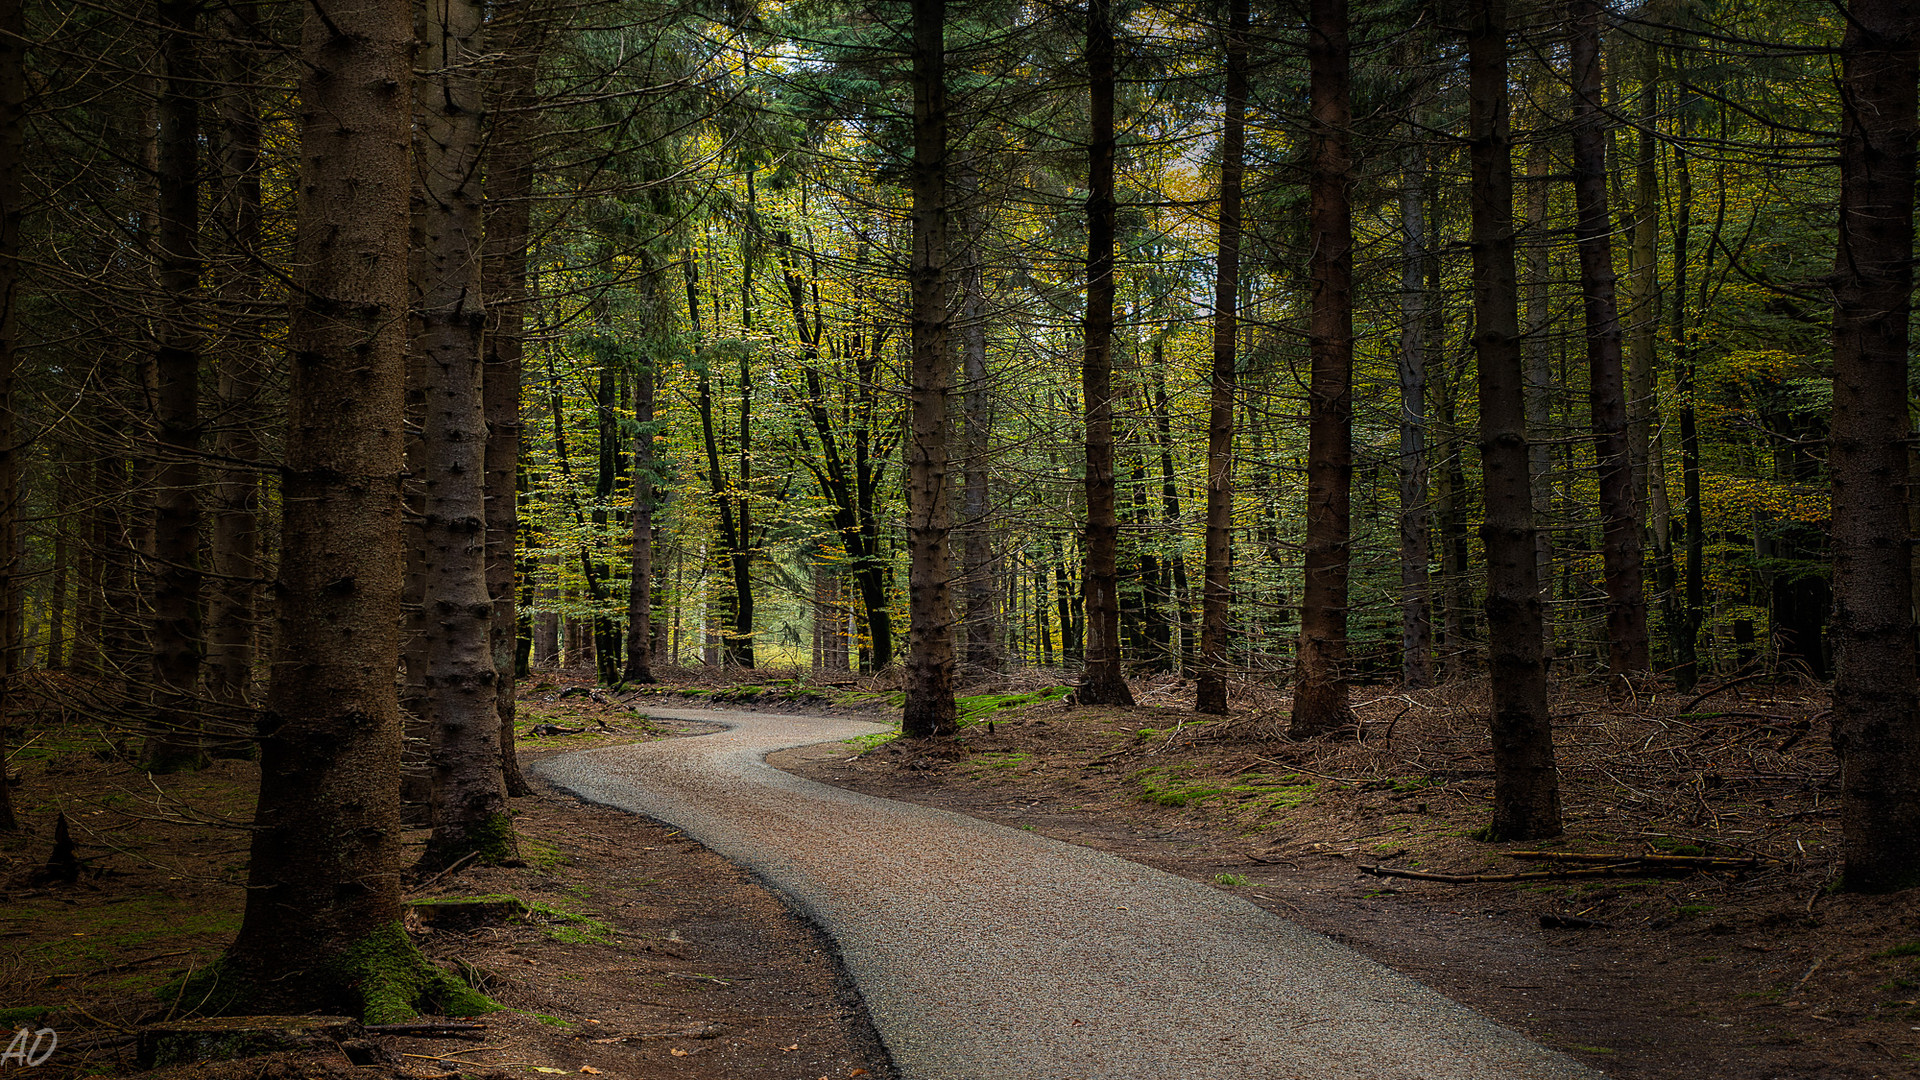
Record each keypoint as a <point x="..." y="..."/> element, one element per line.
<point x="1250" y="421"/>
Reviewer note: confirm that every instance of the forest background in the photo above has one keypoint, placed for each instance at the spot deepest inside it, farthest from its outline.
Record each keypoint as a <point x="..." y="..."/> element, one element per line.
<point x="1397" y="343"/>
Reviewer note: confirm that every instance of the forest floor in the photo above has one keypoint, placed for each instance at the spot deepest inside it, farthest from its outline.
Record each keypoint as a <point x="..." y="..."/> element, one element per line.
<point x="646" y="956"/>
<point x="1749" y="969"/>
<point x="641" y="954"/>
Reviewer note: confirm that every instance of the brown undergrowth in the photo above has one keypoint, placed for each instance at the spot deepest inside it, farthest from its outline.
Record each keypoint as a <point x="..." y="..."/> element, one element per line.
<point x="1753" y="972"/>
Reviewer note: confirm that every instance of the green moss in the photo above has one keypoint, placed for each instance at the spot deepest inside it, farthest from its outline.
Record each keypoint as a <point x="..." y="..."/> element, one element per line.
<point x="28" y="1014"/>
<point x="1911" y="948"/>
<point x="382" y="978"/>
<point x="867" y="742"/>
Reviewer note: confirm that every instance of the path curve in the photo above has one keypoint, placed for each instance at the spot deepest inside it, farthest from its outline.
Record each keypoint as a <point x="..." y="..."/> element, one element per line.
<point x="988" y="952"/>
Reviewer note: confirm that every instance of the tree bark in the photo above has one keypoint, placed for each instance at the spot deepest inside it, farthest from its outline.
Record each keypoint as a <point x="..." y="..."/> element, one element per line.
<point x="1216" y="596"/>
<point x="508" y="170"/>
<point x="323" y="883"/>
<point x="1537" y="351"/>
<point x="985" y="652"/>
<point x="1416" y="588"/>
<point x="462" y="685"/>
<point x="177" y="743"/>
<point x="1876" y="714"/>
<point x="1607" y="395"/>
<point x="13" y="118"/>
<point x="1101" y="680"/>
<point x="929" y="708"/>
<point x="1526" y="784"/>
<point x="1320" y="702"/>
<point x="1686" y="631"/>
<point x="234" y="540"/>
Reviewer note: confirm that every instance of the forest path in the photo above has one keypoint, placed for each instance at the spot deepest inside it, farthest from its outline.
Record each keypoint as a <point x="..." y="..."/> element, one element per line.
<point x="987" y="952"/>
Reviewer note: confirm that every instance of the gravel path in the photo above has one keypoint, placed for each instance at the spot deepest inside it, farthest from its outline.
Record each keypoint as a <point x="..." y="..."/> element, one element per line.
<point x="988" y="952"/>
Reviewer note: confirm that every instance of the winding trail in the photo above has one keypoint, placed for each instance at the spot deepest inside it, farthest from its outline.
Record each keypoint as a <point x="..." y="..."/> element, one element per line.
<point x="989" y="952"/>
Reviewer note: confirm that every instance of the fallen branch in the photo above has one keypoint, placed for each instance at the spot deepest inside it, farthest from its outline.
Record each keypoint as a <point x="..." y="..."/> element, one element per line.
<point x="1730" y="684"/>
<point x="428" y="1030"/>
<point x="1476" y="879"/>
<point x="1691" y="862"/>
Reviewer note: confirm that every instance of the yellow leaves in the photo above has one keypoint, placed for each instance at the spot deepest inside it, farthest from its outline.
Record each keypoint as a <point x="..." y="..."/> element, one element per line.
<point x="1735" y="500"/>
<point x="677" y="1052"/>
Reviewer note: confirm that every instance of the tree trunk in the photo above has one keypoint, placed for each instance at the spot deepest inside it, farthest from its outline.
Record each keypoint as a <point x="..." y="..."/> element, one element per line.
<point x="983" y="631"/>
<point x="323" y="883"/>
<point x="639" y="668"/>
<point x="929" y="708"/>
<point x="177" y="643"/>
<point x="1182" y="654"/>
<point x="1526" y="785"/>
<point x="1101" y="681"/>
<point x="1416" y="589"/>
<point x="1537" y="350"/>
<point x="462" y="685"/>
<point x="13" y="118"/>
<point x="1686" y="631"/>
<point x="1876" y="714"/>
<point x="234" y="540"/>
<point x="1607" y="396"/>
<point x="1216" y="597"/>
<point x="1320" y="703"/>
<point x="508" y="169"/>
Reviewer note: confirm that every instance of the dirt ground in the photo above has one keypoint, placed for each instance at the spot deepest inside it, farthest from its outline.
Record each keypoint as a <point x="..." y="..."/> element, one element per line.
<point x="1753" y="973"/>
<point x="642" y="955"/>
<point x="645" y="956"/>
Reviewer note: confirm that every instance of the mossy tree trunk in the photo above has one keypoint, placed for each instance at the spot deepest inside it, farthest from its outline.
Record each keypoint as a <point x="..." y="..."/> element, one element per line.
<point x="321" y="932"/>
<point x="462" y="701"/>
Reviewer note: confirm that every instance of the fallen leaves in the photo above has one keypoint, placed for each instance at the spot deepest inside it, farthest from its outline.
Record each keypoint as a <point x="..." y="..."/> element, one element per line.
<point x="677" y="1052"/>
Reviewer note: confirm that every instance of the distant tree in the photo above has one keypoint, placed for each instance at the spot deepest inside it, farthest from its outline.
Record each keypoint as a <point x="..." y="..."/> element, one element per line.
<point x="1210" y="693"/>
<point x="1320" y="702"/>
<point x="1607" y="396"/>
<point x="1526" y="800"/>
<point x="1101" y="682"/>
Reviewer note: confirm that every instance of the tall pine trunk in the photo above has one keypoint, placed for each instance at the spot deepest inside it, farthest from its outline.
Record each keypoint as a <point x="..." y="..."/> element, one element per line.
<point x="468" y="795"/>
<point x="508" y="170"/>
<point x="13" y="117"/>
<point x="1526" y="799"/>
<point x="1607" y="395"/>
<point x="1320" y="702"/>
<point x="176" y="370"/>
<point x="323" y="882"/>
<point x="985" y="653"/>
<point x="1101" y="680"/>
<point x="1416" y="588"/>
<point x="929" y="708"/>
<point x="1210" y="679"/>
<point x="234" y="540"/>
<point x="1876" y="714"/>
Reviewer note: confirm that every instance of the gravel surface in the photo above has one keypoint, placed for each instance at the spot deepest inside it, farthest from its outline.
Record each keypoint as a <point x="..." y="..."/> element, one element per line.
<point x="984" y="951"/>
